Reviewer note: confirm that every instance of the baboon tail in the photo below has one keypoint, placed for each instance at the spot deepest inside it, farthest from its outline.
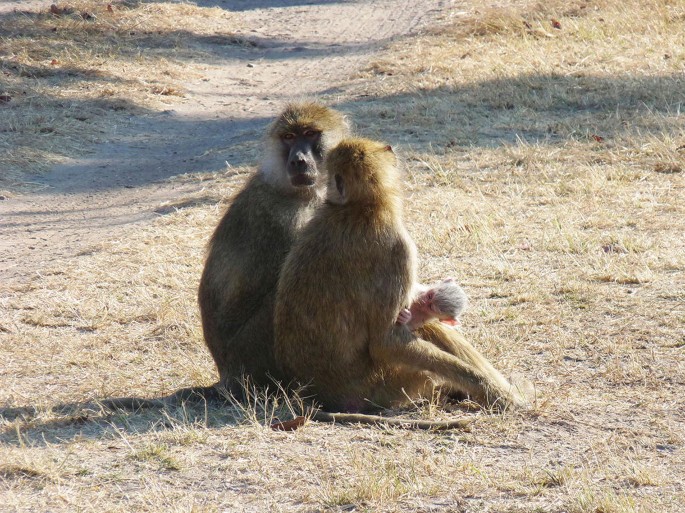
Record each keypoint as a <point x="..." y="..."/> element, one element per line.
<point x="378" y="420"/>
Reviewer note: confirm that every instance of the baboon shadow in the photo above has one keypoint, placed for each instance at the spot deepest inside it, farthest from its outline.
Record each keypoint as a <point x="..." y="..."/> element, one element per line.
<point x="65" y="422"/>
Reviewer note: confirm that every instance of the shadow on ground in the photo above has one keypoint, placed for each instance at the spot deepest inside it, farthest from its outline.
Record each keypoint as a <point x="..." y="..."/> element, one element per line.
<point x="544" y="109"/>
<point x="43" y="33"/>
<point x="67" y="422"/>
<point x="141" y="151"/>
<point x="547" y="109"/>
<point x="536" y="109"/>
<point x="246" y="5"/>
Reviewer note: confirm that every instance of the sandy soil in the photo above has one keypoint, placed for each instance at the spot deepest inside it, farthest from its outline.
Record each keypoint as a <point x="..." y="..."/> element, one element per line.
<point x="302" y="48"/>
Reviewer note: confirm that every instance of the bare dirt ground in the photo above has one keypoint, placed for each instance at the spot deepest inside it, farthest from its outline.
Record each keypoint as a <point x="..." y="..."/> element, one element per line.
<point x="301" y="48"/>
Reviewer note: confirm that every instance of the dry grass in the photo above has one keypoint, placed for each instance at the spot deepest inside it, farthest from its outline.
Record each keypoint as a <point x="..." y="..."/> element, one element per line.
<point x="70" y="76"/>
<point x="570" y="246"/>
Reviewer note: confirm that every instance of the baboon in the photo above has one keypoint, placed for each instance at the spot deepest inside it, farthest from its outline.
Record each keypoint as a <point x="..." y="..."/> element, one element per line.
<point x="244" y="256"/>
<point x="238" y="284"/>
<point x="341" y="288"/>
<point x="444" y="301"/>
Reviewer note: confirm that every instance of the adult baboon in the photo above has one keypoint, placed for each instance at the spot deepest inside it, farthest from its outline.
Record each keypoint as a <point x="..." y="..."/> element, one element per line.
<point x="348" y="275"/>
<point x="245" y="254"/>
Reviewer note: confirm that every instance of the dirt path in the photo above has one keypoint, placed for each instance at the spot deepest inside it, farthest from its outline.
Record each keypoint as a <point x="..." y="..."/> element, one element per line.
<point x="302" y="48"/>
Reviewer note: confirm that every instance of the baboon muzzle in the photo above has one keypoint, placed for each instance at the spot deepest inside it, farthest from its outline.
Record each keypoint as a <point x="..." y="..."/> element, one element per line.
<point x="302" y="167"/>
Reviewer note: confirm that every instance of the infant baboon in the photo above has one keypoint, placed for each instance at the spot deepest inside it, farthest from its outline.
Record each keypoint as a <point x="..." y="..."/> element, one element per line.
<point x="238" y="285"/>
<point x="342" y="286"/>
<point x="443" y="301"/>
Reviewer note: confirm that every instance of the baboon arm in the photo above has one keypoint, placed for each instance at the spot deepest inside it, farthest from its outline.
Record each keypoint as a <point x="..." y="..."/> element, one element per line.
<point x="245" y="254"/>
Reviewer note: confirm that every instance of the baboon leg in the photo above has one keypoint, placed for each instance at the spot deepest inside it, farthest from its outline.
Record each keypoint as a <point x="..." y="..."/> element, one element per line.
<point x="452" y="341"/>
<point x="398" y="386"/>
<point x="461" y="367"/>
<point x="250" y="352"/>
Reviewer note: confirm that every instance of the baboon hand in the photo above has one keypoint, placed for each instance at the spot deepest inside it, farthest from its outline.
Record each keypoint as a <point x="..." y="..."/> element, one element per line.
<point x="403" y="317"/>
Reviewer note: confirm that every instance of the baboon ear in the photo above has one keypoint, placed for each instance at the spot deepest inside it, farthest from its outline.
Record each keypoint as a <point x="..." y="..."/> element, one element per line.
<point x="340" y="185"/>
<point x="389" y="148"/>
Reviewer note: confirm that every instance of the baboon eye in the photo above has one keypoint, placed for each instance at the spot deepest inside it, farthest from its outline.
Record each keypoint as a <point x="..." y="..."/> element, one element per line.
<point x="310" y="133"/>
<point x="288" y="136"/>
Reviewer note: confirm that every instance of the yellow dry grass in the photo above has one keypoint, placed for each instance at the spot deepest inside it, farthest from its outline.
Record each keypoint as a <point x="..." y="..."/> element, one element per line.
<point x="571" y="246"/>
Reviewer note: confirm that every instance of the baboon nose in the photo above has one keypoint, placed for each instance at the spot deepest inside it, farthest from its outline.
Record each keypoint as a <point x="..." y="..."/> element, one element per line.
<point x="298" y="165"/>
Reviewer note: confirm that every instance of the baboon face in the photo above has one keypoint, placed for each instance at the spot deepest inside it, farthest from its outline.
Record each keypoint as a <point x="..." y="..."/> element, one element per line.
<point x="436" y="305"/>
<point x="303" y="154"/>
<point x="303" y="134"/>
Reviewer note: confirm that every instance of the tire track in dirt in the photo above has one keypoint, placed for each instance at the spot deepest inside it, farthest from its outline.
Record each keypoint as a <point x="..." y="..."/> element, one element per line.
<point x="301" y="49"/>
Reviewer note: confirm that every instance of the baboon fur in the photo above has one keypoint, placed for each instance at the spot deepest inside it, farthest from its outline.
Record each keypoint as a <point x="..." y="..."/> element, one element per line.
<point x="245" y="254"/>
<point x="341" y="288"/>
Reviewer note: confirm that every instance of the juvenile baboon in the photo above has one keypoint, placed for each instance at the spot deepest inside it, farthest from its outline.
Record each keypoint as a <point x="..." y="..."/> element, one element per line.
<point x="238" y="285"/>
<point x="348" y="275"/>
<point x="443" y="301"/>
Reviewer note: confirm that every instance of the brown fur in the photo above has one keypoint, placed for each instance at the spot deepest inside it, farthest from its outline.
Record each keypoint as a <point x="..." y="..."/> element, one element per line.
<point x="245" y="253"/>
<point x="346" y="278"/>
<point x="238" y="285"/>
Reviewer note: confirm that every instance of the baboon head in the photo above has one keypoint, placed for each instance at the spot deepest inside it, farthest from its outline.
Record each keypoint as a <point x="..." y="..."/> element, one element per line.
<point x="361" y="171"/>
<point x="299" y="139"/>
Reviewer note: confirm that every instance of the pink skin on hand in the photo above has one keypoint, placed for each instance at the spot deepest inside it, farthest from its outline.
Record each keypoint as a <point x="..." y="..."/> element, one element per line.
<point x="404" y="316"/>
